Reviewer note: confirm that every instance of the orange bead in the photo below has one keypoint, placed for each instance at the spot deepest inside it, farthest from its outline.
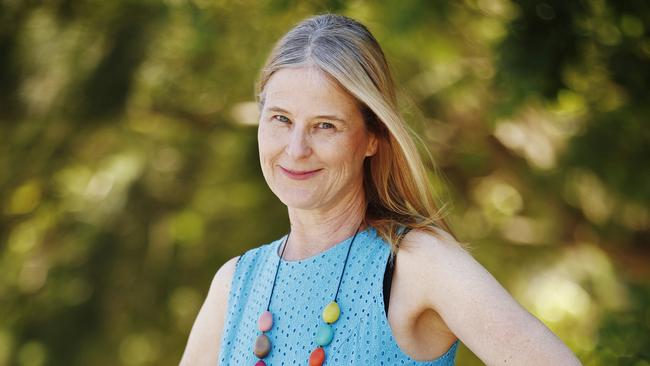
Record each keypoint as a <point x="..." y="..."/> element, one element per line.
<point x="317" y="357"/>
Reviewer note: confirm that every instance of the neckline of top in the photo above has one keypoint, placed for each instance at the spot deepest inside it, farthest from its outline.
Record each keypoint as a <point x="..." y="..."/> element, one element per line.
<point x="339" y="245"/>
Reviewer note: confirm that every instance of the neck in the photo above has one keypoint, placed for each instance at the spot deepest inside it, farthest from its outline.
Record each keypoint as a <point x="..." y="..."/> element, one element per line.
<point x="314" y="231"/>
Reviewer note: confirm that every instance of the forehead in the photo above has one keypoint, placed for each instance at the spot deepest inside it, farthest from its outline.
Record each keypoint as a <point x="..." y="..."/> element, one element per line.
<point x="307" y="90"/>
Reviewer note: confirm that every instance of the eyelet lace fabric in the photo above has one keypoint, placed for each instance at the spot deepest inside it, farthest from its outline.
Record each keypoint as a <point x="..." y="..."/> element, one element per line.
<point x="362" y="335"/>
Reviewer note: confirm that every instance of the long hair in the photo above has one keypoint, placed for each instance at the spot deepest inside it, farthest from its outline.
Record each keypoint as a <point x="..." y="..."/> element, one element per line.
<point x="396" y="184"/>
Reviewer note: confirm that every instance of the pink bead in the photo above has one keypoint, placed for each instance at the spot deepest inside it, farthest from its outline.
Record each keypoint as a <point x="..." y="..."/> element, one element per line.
<point x="260" y="363"/>
<point x="265" y="322"/>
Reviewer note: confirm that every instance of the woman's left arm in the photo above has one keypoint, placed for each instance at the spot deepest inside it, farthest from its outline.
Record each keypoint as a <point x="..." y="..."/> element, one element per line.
<point x="475" y="307"/>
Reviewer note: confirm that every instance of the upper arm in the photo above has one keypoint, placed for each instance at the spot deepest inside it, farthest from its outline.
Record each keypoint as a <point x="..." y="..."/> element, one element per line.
<point x="475" y="307"/>
<point x="205" y="337"/>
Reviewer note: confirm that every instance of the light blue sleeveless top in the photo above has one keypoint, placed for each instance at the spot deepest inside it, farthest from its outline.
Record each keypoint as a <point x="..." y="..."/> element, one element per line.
<point x="362" y="335"/>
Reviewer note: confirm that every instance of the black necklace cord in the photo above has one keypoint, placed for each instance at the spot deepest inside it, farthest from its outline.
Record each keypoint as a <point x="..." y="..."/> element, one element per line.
<point x="346" y="261"/>
<point x="342" y="272"/>
<point x="276" y="270"/>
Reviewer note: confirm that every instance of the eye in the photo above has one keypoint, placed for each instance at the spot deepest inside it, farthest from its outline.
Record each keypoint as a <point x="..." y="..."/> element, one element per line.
<point x="326" y="125"/>
<point x="280" y="118"/>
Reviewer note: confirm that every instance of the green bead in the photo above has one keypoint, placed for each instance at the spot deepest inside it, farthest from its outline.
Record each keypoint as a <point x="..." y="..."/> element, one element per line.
<point x="331" y="312"/>
<point x="324" y="335"/>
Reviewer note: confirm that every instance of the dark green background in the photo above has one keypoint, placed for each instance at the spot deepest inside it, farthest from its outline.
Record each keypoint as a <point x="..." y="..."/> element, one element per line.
<point x="129" y="169"/>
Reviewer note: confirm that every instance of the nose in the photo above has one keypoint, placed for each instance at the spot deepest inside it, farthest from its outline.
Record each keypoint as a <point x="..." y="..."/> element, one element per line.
<point x="298" y="146"/>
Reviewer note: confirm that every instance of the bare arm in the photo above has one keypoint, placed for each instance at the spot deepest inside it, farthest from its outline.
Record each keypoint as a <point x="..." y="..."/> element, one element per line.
<point x="204" y="341"/>
<point x="477" y="309"/>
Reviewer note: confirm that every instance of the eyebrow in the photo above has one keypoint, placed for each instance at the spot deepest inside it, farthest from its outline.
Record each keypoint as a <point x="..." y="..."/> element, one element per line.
<point x="322" y="116"/>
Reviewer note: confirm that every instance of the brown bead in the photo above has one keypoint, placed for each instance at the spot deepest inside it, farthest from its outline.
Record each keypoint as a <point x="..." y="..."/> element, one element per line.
<point x="262" y="346"/>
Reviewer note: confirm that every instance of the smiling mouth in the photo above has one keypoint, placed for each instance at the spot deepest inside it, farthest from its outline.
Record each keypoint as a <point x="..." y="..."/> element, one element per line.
<point x="299" y="175"/>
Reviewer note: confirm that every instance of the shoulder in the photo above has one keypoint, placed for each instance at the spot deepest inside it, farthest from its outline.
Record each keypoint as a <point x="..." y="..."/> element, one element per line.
<point x="223" y="277"/>
<point x="438" y="259"/>
<point x="433" y="249"/>
<point x="448" y="276"/>
<point x="434" y="239"/>
<point x="205" y="337"/>
<point x="216" y="301"/>
<point x="447" y="279"/>
<point x="249" y="260"/>
<point x="217" y="297"/>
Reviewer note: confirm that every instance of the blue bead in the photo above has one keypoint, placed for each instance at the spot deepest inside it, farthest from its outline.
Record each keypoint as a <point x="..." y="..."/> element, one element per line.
<point x="324" y="335"/>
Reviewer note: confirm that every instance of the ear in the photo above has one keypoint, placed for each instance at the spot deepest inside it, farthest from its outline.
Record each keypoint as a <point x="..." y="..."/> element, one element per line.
<point x="372" y="145"/>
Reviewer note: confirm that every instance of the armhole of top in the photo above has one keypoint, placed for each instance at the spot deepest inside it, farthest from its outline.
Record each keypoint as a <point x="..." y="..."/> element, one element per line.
<point x="390" y="268"/>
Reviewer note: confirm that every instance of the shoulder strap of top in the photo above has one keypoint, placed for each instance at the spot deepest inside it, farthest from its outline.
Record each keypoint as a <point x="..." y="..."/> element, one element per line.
<point x="390" y="267"/>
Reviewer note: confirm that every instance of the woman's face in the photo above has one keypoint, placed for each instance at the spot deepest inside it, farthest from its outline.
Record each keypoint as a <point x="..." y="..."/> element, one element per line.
<point x="312" y="140"/>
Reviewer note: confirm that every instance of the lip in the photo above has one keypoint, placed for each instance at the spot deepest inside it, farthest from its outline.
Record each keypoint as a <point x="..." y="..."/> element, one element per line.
<point x="299" y="175"/>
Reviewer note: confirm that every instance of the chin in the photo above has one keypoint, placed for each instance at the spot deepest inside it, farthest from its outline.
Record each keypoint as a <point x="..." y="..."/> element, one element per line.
<point x="299" y="201"/>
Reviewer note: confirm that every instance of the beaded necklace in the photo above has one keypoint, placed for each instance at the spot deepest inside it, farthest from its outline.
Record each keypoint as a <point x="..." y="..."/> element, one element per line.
<point x="325" y="333"/>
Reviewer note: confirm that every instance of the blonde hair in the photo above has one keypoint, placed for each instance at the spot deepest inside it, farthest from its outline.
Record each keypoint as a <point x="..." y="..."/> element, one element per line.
<point x="396" y="185"/>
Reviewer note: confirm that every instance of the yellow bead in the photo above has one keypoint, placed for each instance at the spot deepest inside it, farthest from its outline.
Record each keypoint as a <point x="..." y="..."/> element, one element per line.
<point x="331" y="312"/>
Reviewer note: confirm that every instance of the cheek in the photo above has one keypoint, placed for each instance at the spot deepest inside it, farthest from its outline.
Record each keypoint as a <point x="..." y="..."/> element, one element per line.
<point x="353" y="150"/>
<point x="342" y="154"/>
<point x="268" y="142"/>
<point x="266" y="154"/>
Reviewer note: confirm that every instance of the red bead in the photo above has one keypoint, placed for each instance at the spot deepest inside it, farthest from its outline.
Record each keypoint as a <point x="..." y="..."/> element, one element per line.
<point x="317" y="357"/>
<point x="260" y="363"/>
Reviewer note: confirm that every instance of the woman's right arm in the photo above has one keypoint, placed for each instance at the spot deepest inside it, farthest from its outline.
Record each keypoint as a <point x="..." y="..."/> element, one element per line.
<point x="204" y="341"/>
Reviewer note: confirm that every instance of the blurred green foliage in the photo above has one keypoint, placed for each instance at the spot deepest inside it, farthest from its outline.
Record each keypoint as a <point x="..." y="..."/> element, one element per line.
<point x="129" y="171"/>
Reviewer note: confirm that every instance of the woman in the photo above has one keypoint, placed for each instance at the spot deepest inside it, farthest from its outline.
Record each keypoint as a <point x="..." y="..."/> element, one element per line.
<point x="336" y="152"/>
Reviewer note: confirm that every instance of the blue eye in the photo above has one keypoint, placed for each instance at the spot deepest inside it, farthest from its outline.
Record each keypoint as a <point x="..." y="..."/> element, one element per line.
<point x="280" y="118"/>
<point x="326" y="125"/>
